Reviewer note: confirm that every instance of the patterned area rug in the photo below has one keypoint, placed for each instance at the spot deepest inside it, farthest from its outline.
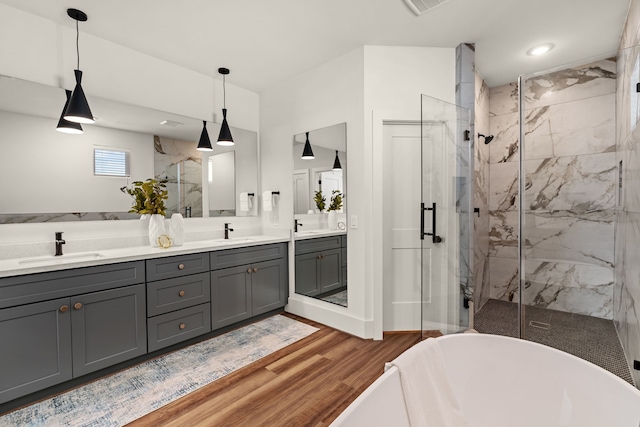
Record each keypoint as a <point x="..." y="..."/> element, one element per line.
<point x="128" y="395"/>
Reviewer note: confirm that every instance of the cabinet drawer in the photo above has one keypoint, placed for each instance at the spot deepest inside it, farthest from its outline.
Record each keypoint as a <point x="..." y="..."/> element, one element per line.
<point x="174" y="294"/>
<point x="18" y="290"/>
<point x="176" y="266"/>
<point x="306" y="246"/>
<point x="172" y="328"/>
<point x="240" y="256"/>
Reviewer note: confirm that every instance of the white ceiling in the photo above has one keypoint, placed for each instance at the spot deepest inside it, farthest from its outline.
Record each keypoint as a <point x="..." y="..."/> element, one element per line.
<point x="264" y="42"/>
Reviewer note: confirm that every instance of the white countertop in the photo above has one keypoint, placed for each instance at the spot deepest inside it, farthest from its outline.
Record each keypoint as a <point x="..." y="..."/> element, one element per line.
<point x="321" y="232"/>
<point x="22" y="266"/>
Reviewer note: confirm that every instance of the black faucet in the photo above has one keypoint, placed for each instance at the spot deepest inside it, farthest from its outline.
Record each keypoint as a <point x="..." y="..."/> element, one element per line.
<point x="227" y="230"/>
<point x="296" y="225"/>
<point x="59" y="243"/>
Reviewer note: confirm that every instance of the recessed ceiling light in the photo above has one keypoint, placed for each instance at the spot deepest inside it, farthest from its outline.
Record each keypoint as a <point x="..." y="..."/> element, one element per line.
<point x="171" y="123"/>
<point x="540" y="49"/>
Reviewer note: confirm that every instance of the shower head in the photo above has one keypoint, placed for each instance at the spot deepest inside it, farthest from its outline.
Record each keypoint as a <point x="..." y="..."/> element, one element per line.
<point x="487" y="138"/>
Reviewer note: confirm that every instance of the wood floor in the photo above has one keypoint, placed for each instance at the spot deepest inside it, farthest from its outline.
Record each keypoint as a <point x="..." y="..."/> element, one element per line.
<point x="308" y="383"/>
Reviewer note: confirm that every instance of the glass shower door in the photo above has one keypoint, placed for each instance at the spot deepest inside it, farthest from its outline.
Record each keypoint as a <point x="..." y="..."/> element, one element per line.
<point x="445" y="217"/>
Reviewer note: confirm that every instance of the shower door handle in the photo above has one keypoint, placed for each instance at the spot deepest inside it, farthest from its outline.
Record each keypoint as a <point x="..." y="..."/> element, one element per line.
<point x="434" y="237"/>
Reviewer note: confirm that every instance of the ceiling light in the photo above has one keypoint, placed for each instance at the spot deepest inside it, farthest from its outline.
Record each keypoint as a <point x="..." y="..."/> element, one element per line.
<point x="307" y="153"/>
<point x="225" y="137"/>
<point x="66" y="126"/>
<point x="205" y="143"/>
<point x="540" y="49"/>
<point x="78" y="110"/>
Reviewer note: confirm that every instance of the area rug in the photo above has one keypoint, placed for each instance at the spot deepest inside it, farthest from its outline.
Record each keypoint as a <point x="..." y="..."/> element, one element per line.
<point x="128" y="395"/>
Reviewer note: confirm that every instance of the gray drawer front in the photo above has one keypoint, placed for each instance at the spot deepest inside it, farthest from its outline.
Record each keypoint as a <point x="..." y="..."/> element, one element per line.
<point x="175" y="266"/>
<point x="164" y="330"/>
<point x="306" y="246"/>
<point x="174" y="294"/>
<point x="240" y="256"/>
<point x="32" y="288"/>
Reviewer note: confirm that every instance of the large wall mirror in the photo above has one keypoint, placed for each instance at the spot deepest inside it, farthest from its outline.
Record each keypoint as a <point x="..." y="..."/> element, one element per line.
<point x="47" y="175"/>
<point x="320" y="206"/>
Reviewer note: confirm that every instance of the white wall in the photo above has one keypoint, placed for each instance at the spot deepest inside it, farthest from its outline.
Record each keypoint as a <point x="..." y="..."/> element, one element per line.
<point x="39" y="50"/>
<point x="361" y="88"/>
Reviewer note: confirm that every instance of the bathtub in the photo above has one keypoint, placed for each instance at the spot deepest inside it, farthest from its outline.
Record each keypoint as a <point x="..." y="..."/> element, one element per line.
<point x="504" y="382"/>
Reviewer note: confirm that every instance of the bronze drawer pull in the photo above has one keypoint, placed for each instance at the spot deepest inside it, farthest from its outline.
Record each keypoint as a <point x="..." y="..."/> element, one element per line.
<point x="182" y="326"/>
<point x="181" y="293"/>
<point x="64" y="308"/>
<point x="77" y="305"/>
<point x="180" y="266"/>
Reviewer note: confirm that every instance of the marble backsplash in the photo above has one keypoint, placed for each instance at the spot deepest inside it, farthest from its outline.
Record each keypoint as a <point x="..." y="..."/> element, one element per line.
<point x="570" y="189"/>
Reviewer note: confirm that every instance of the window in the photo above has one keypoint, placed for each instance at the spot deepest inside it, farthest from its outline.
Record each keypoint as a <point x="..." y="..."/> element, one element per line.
<point x="111" y="162"/>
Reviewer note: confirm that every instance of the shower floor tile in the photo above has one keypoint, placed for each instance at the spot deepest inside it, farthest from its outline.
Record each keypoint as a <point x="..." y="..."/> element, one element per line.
<point x="590" y="338"/>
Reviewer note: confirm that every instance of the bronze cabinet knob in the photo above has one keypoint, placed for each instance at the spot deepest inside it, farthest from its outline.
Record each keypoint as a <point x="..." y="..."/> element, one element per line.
<point x="255" y="269"/>
<point x="181" y="293"/>
<point x="64" y="308"/>
<point x="180" y="266"/>
<point x="77" y="305"/>
<point x="248" y="270"/>
<point x="182" y="326"/>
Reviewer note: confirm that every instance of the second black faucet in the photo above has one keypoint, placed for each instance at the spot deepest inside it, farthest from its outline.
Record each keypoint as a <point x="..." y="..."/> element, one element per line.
<point x="227" y="230"/>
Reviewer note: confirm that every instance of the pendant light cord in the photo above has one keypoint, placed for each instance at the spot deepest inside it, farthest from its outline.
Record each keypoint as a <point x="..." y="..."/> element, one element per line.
<point x="78" y="44"/>
<point x="224" y="91"/>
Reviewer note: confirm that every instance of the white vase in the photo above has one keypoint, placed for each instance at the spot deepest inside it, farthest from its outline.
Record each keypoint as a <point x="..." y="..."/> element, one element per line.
<point x="333" y="220"/>
<point x="156" y="229"/>
<point x="176" y="229"/>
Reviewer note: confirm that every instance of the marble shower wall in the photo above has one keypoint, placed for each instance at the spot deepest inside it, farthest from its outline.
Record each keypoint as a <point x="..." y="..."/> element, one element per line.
<point x="181" y="165"/>
<point x="626" y="295"/>
<point x="570" y="189"/>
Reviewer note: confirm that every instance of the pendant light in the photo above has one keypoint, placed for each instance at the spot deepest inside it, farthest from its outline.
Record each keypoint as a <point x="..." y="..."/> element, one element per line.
<point x="78" y="110"/>
<point x="307" y="153"/>
<point x="205" y="143"/>
<point x="225" y="134"/>
<point x="65" y="125"/>
<point x="336" y="163"/>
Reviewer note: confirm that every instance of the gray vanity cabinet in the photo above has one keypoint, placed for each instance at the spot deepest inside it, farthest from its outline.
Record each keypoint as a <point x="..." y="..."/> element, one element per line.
<point x="178" y="305"/>
<point x="246" y="282"/>
<point x="36" y="347"/>
<point x="64" y="324"/>
<point x="319" y="265"/>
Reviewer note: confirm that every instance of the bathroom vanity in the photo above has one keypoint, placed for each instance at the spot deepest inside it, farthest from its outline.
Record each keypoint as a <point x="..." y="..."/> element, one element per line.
<point x="60" y="321"/>
<point x="321" y="262"/>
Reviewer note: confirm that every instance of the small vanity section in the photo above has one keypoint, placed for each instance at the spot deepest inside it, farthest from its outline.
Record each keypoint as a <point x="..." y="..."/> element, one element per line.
<point x="320" y="262"/>
<point x="56" y="325"/>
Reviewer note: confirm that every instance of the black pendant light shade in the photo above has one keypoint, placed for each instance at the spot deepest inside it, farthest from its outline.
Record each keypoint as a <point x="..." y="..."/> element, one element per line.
<point x="336" y="163"/>
<point x="78" y="110"/>
<point x="307" y="153"/>
<point x="225" y="137"/>
<point x="205" y="143"/>
<point x="65" y="125"/>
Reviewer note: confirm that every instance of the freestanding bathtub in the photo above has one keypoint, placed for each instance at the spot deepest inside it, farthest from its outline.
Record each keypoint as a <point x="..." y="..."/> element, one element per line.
<point x="505" y="382"/>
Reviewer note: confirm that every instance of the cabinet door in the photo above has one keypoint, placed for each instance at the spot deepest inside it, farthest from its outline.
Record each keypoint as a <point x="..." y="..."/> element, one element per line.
<point x="35" y="347"/>
<point x="307" y="270"/>
<point x="230" y="296"/>
<point x="108" y="327"/>
<point x="268" y="285"/>
<point x="330" y="270"/>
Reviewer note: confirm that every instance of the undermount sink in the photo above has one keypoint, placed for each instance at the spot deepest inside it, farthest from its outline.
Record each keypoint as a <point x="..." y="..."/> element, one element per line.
<point x="61" y="259"/>
<point x="306" y="233"/>
<point x="232" y="241"/>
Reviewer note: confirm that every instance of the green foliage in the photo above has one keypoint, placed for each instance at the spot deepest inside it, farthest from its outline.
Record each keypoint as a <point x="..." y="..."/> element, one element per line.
<point x="148" y="196"/>
<point x="320" y="200"/>
<point x="336" y="201"/>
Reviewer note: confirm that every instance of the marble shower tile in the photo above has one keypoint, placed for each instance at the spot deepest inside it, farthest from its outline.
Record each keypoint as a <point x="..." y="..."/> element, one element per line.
<point x="575" y="183"/>
<point x="506" y="132"/>
<point x="631" y="272"/>
<point x="625" y="65"/>
<point x="503" y="276"/>
<point x="503" y="99"/>
<point x="629" y="332"/>
<point x="631" y="172"/>
<point x="631" y="31"/>
<point x="560" y="235"/>
<point x="571" y="287"/>
<point x="570" y="84"/>
<point x="503" y="234"/>
<point x="503" y="186"/>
